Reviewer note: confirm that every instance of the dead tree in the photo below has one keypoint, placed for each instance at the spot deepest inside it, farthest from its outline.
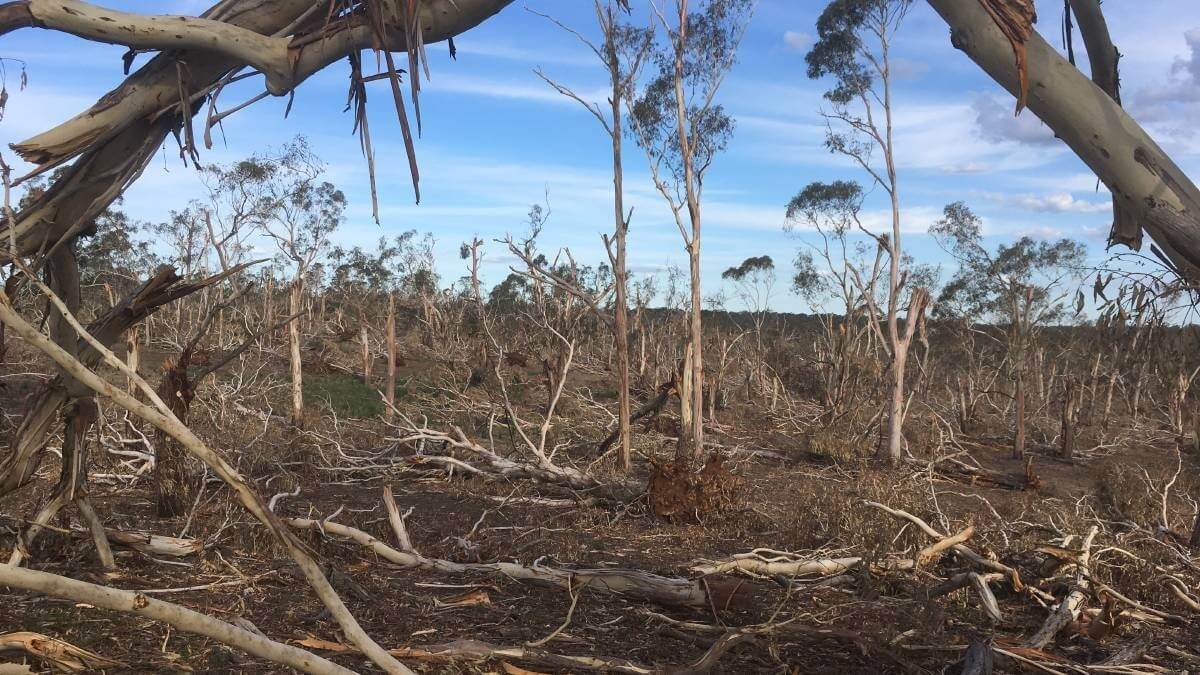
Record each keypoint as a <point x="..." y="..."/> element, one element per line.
<point x="623" y="53"/>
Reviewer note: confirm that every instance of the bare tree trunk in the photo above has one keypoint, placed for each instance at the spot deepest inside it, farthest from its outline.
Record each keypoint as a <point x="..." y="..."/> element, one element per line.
<point x="696" y="346"/>
<point x="620" y="277"/>
<point x="1018" y="449"/>
<point x="366" y="352"/>
<point x="294" y="307"/>
<point x="899" y="345"/>
<point x="391" y="356"/>
<point x="896" y="408"/>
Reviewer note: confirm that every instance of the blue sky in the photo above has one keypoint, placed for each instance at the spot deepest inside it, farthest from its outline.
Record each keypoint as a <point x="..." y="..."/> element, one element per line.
<point x="497" y="139"/>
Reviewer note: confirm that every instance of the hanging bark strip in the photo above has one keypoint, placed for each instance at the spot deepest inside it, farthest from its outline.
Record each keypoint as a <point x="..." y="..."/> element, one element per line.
<point x="1015" y="18"/>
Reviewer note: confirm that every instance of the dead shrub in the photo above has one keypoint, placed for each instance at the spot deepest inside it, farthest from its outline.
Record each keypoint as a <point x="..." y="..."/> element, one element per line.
<point x="677" y="492"/>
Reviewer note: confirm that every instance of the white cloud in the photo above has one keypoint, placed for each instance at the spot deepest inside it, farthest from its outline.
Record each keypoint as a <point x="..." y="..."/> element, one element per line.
<point x="1054" y="202"/>
<point x="797" y="41"/>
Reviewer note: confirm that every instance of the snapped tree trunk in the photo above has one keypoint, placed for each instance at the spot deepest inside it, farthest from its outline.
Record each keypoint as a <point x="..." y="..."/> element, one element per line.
<point x="1067" y="449"/>
<point x="79" y="416"/>
<point x="1195" y="542"/>
<point x="1018" y="449"/>
<point x="391" y="356"/>
<point x="366" y="352"/>
<point x="295" y="297"/>
<point x="25" y="451"/>
<point x="172" y="480"/>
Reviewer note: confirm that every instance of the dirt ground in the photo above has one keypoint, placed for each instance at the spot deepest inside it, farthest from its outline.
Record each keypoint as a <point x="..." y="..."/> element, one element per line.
<point x="796" y="499"/>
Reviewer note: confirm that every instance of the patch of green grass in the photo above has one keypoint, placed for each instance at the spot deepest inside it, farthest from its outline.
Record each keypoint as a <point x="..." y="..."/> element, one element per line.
<point x="347" y="395"/>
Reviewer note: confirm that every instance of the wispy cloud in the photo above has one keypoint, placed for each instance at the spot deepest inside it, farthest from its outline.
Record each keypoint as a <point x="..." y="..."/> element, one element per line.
<point x="797" y="41"/>
<point x="1053" y="202"/>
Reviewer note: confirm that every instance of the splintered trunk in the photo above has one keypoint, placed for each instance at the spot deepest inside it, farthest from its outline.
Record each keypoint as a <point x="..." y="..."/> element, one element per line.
<point x="966" y="404"/>
<point x="268" y="310"/>
<point x="79" y="416"/>
<point x="294" y="307"/>
<point x="1018" y="449"/>
<point x="1195" y="542"/>
<point x="683" y="452"/>
<point x="10" y="290"/>
<point x="896" y="408"/>
<point x="391" y="356"/>
<point x="172" y="480"/>
<point x="1067" y="450"/>
<point x="133" y="357"/>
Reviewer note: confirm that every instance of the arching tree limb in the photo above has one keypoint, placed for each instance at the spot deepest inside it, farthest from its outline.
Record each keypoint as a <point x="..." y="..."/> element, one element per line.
<point x="1136" y="170"/>
<point x="116" y="138"/>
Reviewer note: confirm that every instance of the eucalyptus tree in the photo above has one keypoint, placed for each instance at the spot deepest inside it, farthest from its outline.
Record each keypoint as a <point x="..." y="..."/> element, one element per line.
<point x="622" y="52"/>
<point x="754" y="284"/>
<point x="1024" y="285"/>
<point x="854" y="50"/>
<point x="682" y="129"/>
<point x="302" y="211"/>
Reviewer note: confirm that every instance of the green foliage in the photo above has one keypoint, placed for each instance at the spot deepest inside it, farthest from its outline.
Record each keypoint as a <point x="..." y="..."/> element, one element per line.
<point x="806" y="278"/>
<point x="509" y="295"/>
<point x="989" y="284"/>
<point x="840" y="51"/>
<point x="749" y="267"/>
<point x="403" y="263"/>
<point x="827" y="206"/>
<point x="108" y="249"/>
<point x="346" y="395"/>
<point x="707" y="54"/>
<point x="111" y="253"/>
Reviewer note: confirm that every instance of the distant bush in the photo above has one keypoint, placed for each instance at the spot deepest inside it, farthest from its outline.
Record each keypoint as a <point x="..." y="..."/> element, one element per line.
<point x="346" y="395"/>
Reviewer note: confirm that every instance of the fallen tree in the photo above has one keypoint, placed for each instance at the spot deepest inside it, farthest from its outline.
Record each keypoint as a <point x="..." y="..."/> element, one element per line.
<point x="671" y="591"/>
